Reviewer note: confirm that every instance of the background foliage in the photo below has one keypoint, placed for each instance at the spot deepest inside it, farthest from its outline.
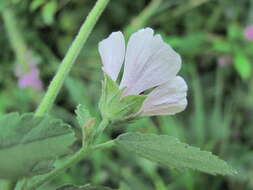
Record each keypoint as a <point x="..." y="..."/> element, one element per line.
<point x="217" y="65"/>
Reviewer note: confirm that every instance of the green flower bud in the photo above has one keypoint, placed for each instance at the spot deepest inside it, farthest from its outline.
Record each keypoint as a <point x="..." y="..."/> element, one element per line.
<point x="116" y="107"/>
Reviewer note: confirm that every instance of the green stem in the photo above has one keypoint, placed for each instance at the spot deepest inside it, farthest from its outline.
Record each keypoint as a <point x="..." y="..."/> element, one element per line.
<point x="141" y="20"/>
<point x="107" y="144"/>
<point x="70" y="57"/>
<point x="15" y="36"/>
<point x="47" y="177"/>
<point x="68" y="163"/>
<point x="188" y="6"/>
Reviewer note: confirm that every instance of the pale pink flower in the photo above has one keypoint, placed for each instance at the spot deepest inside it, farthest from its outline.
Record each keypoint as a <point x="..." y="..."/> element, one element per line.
<point x="149" y="63"/>
<point x="248" y="32"/>
<point x="224" y="61"/>
<point x="29" y="77"/>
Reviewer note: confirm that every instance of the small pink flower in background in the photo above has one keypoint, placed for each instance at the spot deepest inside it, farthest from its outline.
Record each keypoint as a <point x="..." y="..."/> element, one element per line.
<point x="148" y="63"/>
<point x="248" y="32"/>
<point x="224" y="61"/>
<point x="29" y="77"/>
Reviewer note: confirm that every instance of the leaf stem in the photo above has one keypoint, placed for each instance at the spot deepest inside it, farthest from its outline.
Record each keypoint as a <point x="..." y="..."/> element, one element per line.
<point x="107" y="144"/>
<point x="70" y="57"/>
<point x="69" y="162"/>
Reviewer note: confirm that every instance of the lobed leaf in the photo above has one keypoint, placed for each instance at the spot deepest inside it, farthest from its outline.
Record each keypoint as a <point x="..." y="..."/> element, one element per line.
<point x="30" y="144"/>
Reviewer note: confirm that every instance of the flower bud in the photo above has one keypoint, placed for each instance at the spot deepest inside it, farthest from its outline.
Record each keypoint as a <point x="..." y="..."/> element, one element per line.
<point x="116" y="107"/>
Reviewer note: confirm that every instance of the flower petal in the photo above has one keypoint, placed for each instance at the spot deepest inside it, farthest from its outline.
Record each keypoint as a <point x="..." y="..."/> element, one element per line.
<point x="149" y="62"/>
<point x="112" y="52"/>
<point x="248" y="32"/>
<point x="167" y="99"/>
<point x="31" y="79"/>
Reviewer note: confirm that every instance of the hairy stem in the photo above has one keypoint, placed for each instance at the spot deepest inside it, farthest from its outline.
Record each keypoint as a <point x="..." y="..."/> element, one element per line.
<point x="16" y="39"/>
<point x="70" y="57"/>
<point x="69" y="162"/>
<point x="107" y="144"/>
<point x="47" y="177"/>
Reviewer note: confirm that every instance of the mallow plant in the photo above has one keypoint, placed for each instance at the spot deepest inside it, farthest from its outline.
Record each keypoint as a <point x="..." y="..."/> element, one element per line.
<point x="140" y="80"/>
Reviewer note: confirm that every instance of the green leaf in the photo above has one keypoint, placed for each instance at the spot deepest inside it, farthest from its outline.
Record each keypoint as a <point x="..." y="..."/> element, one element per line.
<point x="116" y="107"/>
<point x="77" y="92"/>
<point x="189" y="44"/>
<point x="82" y="115"/>
<point x="49" y="11"/>
<point x="222" y="46"/>
<point x="242" y="65"/>
<point x="86" y="123"/>
<point x="36" y="4"/>
<point x="86" y="187"/>
<point x="29" y="144"/>
<point x="170" y="152"/>
<point x="234" y="32"/>
<point x="110" y="92"/>
<point x="3" y="4"/>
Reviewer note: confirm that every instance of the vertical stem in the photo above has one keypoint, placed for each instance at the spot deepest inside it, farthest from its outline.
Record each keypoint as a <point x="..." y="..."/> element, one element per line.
<point x="219" y="86"/>
<point x="7" y="185"/>
<point x="188" y="6"/>
<point x="199" y="113"/>
<point x="15" y="37"/>
<point x="141" y="20"/>
<point x="70" y="57"/>
<point x="19" y="47"/>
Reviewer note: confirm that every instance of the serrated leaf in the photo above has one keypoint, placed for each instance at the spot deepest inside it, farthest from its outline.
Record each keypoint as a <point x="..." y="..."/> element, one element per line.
<point x="170" y="152"/>
<point x="29" y="144"/>
<point x="86" y="187"/>
<point x="82" y="115"/>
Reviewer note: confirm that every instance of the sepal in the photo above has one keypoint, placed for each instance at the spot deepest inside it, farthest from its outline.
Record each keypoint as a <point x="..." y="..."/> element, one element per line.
<point x="116" y="107"/>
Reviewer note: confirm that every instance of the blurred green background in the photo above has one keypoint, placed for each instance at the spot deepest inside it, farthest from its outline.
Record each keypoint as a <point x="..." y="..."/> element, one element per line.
<point x="217" y="65"/>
